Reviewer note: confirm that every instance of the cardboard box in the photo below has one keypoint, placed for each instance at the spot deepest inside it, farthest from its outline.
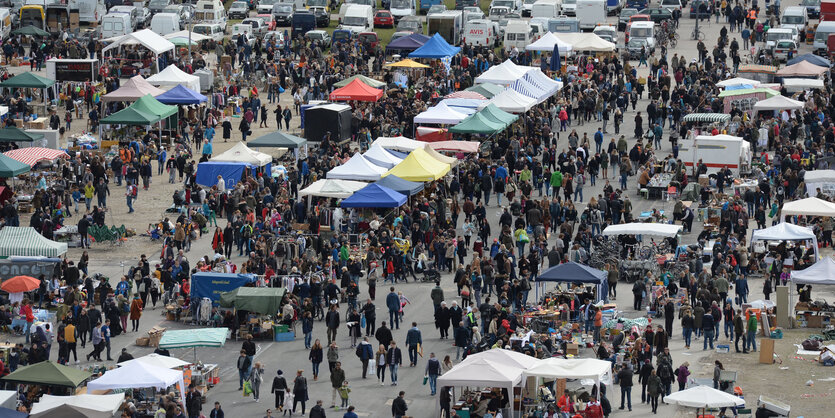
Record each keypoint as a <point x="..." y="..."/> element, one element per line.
<point x="143" y="341"/>
<point x="155" y="335"/>
<point x="572" y="348"/>
<point x="814" y="321"/>
<point x="704" y="180"/>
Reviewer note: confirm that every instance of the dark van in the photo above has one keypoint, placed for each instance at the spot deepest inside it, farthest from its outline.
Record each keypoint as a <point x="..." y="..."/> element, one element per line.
<point x="303" y="21"/>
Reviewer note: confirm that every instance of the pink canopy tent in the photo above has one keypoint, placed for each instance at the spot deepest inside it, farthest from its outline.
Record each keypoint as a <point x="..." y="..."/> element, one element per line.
<point x="33" y="155"/>
<point x="132" y="90"/>
<point x="455" y="146"/>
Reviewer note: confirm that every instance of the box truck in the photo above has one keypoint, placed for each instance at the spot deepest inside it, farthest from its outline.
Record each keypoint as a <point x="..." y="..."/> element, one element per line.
<point x="716" y="152"/>
<point x="590" y="13"/>
<point x="447" y="24"/>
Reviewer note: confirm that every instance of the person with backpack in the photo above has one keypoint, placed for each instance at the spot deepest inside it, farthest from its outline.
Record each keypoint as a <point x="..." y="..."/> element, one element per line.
<point x="130" y="195"/>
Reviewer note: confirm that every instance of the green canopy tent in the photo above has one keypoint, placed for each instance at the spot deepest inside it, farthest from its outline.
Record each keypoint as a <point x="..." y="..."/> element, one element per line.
<point x="9" y="167"/>
<point x="26" y="241"/>
<point x="193" y="338"/>
<point x="478" y="123"/>
<point x="497" y="115"/>
<point x="30" y="30"/>
<point x="370" y="81"/>
<point x="262" y="300"/>
<point x="30" y="81"/>
<point x="130" y="116"/>
<point x="280" y="139"/>
<point x="15" y="134"/>
<point x="152" y="106"/>
<point x="48" y="373"/>
<point x="488" y="90"/>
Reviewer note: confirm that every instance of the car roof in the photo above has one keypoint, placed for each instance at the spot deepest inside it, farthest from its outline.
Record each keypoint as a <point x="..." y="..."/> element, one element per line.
<point x="643" y="24"/>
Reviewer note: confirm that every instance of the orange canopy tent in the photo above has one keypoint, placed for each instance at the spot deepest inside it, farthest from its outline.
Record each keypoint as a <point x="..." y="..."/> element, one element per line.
<point x="357" y="90"/>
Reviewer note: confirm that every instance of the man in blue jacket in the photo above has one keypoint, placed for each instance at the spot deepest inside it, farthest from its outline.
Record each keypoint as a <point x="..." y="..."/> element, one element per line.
<point x="393" y="303"/>
<point x="413" y="339"/>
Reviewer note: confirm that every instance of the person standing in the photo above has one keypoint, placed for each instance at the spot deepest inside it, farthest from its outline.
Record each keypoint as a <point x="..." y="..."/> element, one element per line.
<point x="380" y="359"/>
<point x="370" y="313"/>
<point x="135" y="312"/>
<point x="708" y="329"/>
<point x="365" y="352"/>
<point x="217" y="412"/>
<point x="638" y="290"/>
<point x="393" y="305"/>
<point x="300" y="390"/>
<point x="682" y="373"/>
<point x="739" y="332"/>
<point x="256" y="376"/>
<point x="70" y="336"/>
<point x="625" y="378"/>
<point x="278" y="388"/>
<point x="332" y="322"/>
<point x="105" y="335"/>
<point x="413" y="340"/>
<point x="654" y="390"/>
<point x="243" y="369"/>
<point x="751" y="336"/>
<point x="337" y="378"/>
<point x="433" y="370"/>
<point x="315" y="358"/>
<point x="194" y="402"/>
<point x="398" y="405"/>
<point x="333" y="356"/>
<point x="97" y="345"/>
<point x="394" y="358"/>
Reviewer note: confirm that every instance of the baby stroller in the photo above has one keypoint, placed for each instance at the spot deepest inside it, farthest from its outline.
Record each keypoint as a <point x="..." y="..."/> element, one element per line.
<point x="431" y="275"/>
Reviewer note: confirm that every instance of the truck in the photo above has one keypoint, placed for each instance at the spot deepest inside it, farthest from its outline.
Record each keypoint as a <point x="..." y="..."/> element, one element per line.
<point x="546" y="8"/>
<point x="402" y="8"/>
<point x="358" y="18"/>
<point x="447" y="24"/>
<point x="426" y="4"/>
<point x="827" y="10"/>
<point x="716" y="152"/>
<point x="590" y="13"/>
<point x="32" y="14"/>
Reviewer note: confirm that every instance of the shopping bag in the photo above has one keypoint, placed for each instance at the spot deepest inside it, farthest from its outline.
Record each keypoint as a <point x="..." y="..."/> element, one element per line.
<point x="372" y="364"/>
<point x="362" y="321"/>
<point x="247" y="388"/>
<point x="425" y="379"/>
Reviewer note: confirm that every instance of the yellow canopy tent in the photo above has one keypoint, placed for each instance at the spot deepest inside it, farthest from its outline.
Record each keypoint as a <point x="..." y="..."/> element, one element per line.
<point x="452" y="161"/>
<point x="407" y="63"/>
<point x="419" y="166"/>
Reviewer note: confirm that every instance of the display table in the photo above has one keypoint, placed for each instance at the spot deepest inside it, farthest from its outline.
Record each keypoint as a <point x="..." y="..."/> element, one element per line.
<point x="70" y="235"/>
<point x="39" y="123"/>
<point x="658" y="185"/>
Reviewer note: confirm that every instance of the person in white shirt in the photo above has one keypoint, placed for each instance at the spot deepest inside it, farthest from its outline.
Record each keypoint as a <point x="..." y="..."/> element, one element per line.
<point x="221" y="184"/>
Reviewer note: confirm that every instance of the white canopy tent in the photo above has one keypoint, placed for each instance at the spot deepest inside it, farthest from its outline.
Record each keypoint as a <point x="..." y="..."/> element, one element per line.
<point x="822" y="272"/>
<point x="557" y="368"/>
<point x="794" y="85"/>
<point x="703" y="397"/>
<point x="539" y="79"/>
<point x="8" y="399"/>
<point x="195" y="37"/>
<point x="547" y="42"/>
<point x="90" y="406"/>
<point x="785" y="231"/>
<point x="145" y="37"/>
<point x="441" y="114"/>
<point x="398" y="143"/>
<point x="511" y="101"/>
<point x="503" y="74"/>
<point x="240" y="153"/>
<point x="738" y="81"/>
<point x="481" y="372"/>
<point x="637" y="228"/>
<point x="586" y="42"/>
<point x="507" y="358"/>
<point x="157" y="360"/>
<point x="452" y="161"/>
<point x="778" y="102"/>
<point x="379" y="156"/>
<point x="817" y="179"/>
<point x="137" y="376"/>
<point x="528" y="89"/>
<point x="811" y="206"/>
<point x="172" y="76"/>
<point x="339" y="189"/>
<point x="357" y="168"/>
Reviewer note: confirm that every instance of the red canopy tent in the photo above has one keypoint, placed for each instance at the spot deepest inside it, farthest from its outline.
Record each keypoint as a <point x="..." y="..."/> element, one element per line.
<point x="357" y="90"/>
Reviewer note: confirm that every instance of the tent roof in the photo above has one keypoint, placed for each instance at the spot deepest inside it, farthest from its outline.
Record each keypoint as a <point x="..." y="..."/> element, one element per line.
<point x="145" y="37"/>
<point x="406" y="63"/>
<point x="452" y="161"/>
<point x="357" y="168"/>
<point x="478" y="123"/>
<point x="481" y="372"/>
<point x="495" y="114"/>
<point x="822" y="272"/>
<point x="506" y="357"/>
<point x="158" y="360"/>
<point x="357" y="90"/>
<point x="487" y="90"/>
<point x="638" y="228"/>
<point x="26" y="241"/>
<point x="542" y="81"/>
<point x="817" y="176"/>
<point x="263" y="300"/>
<point x="241" y="153"/>
<point x="572" y="272"/>
<point x="783" y="231"/>
<point x="9" y="167"/>
<point x="420" y="166"/>
<point x="466" y="106"/>
<point x="27" y="80"/>
<point x="367" y="80"/>
<point x="15" y="134"/>
<point x="442" y="114"/>
<point x="137" y="375"/>
<point x="585" y="42"/>
<point x="195" y="37"/>
<point x="528" y="89"/>
<point x="31" y="156"/>
<point x="92" y="406"/>
<point x="181" y="95"/>
<point x="456" y="146"/>
<point x="802" y="69"/>
<point x="379" y="156"/>
<point x="47" y="372"/>
<point x="173" y="76"/>
<point x="798" y="84"/>
<point x="707" y="117"/>
<point x="375" y="196"/>
<point x="812" y="58"/>
<point x="778" y="102"/>
<point x="559" y="368"/>
<point x="408" y="43"/>
<point x="703" y="397"/>
<point x="435" y="47"/>
<point x="152" y="106"/>
<point x="811" y="206"/>
<point x="339" y="189"/>
<point x="277" y="139"/>
<point x="132" y="90"/>
<point x="768" y="92"/>
<point x="738" y="81"/>
<point x="503" y="74"/>
<point x="408" y="188"/>
<point x="188" y="338"/>
<point x="30" y="30"/>
<point x="398" y="143"/>
<point x="131" y="116"/>
<point x="720" y="137"/>
<point x="547" y="42"/>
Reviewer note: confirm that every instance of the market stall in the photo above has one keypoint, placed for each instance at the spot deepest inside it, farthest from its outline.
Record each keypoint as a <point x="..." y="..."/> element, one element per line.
<point x="332" y="188"/>
<point x="778" y="103"/>
<point x="380" y="157"/>
<point x="408" y="188"/>
<point x="511" y="101"/>
<point x="358" y="91"/>
<point x="172" y="76"/>
<point x="811" y="315"/>
<point x="231" y="172"/>
<point x="823" y="180"/>
<point x="194" y="338"/>
<point x="479" y="372"/>
<point x="810" y="206"/>
<point x="147" y="38"/>
<point x="182" y="95"/>
<point x="375" y="196"/>
<point x="211" y="285"/>
<point x="812" y="58"/>
<point x="488" y="90"/>
<point x="785" y="231"/>
<point x="357" y="168"/>
<point x="802" y="69"/>
<point x="703" y="397"/>
<point x="407" y="43"/>
<point x="33" y="156"/>
<point x="48" y="373"/>
<point x="745" y="99"/>
<point x="795" y="85"/>
<point x="648" y="229"/>
<point x="9" y="167"/>
<point x="572" y="272"/>
<point x="132" y="90"/>
<point x="467" y="147"/>
<point x="436" y="47"/>
<point x="420" y="166"/>
<point x="398" y="143"/>
<point x="556" y="369"/>
<point x="140" y="375"/>
<point x="504" y="74"/>
<point x="440" y="114"/>
<point x="29" y="80"/>
<point x="263" y="308"/>
<point x="366" y="80"/>
<point x="89" y="406"/>
<point x="26" y="241"/>
<point x="240" y="153"/>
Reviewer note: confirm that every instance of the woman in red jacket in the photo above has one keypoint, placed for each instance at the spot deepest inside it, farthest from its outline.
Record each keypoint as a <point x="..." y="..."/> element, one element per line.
<point x="26" y="311"/>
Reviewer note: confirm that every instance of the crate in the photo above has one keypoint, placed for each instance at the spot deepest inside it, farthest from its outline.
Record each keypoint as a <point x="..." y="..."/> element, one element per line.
<point x="284" y="336"/>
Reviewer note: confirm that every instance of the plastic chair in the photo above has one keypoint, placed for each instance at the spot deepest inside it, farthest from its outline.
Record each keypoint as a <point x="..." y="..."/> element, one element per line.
<point x="644" y="192"/>
<point x="671" y="193"/>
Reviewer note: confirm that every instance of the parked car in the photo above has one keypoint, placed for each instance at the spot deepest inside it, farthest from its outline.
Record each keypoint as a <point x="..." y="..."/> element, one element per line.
<point x="397" y="35"/>
<point x="238" y="10"/>
<point x="185" y="10"/>
<point x="436" y="8"/>
<point x="671" y="5"/>
<point x="383" y="19"/>
<point x="283" y="13"/>
<point x="783" y="48"/>
<point x="658" y="14"/>
<point x="269" y="19"/>
<point x="369" y="40"/>
<point x="412" y="24"/>
<point x="259" y="27"/>
<point x="277" y="36"/>
<point x="473" y="13"/>
<point x="635" y="18"/>
<point x="633" y="48"/>
<point x="323" y="18"/>
<point x="319" y="35"/>
<point x="624" y="17"/>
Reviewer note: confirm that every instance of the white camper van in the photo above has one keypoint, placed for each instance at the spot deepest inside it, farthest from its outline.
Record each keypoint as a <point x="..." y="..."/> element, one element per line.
<point x="546" y="8"/>
<point x="210" y="11"/>
<point x="517" y="34"/>
<point x="165" y="23"/>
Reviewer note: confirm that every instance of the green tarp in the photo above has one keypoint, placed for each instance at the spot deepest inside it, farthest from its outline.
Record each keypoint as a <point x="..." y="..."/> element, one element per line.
<point x="262" y="300"/>
<point x="105" y="233"/>
<point x="9" y="167"/>
<point x="131" y="116"/>
<point x="28" y="80"/>
<point x="488" y="90"/>
<point x="30" y="30"/>
<point x="497" y="115"/>
<point x="370" y="81"/>
<point x="50" y="374"/>
<point x="277" y="139"/>
<point x="489" y="120"/>
<point x="189" y="338"/>
<point x="15" y="134"/>
<point x="148" y="104"/>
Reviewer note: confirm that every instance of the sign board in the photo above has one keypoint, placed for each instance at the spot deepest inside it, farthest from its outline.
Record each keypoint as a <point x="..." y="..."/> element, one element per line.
<point x="80" y="70"/>
<point x="33" y="268"/>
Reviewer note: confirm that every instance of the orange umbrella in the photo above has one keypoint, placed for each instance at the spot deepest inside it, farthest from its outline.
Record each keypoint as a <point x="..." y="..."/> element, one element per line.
<point x="19" y="284"/>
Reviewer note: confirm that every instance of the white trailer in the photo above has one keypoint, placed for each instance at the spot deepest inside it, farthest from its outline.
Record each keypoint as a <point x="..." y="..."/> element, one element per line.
<point x="716" y="152"/>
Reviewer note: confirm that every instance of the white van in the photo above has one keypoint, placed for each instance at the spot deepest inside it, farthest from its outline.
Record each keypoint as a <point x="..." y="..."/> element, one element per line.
<point x="822" y="33"/>
<point x="115" y="24"/>
<point x="210" y="11"/>
<point x="590" y="13"/>
<point x="778" y="34"/>
<point x="212" y="30"/>
<point x="606" y="30"/>
<point x="795" y="16"/>
<point x="546" y="8"/>
<point x="5" y="23"/>
<point x="644" y="31"/>
<point x="719" y="150"/>
<point x="134" y="13"/>
<point x="517" y="34"/>
<point x="165" y="23"/>
<point x="358" y="18"/>
<point x="481" y="32"/>
<point x="401" y="8"/>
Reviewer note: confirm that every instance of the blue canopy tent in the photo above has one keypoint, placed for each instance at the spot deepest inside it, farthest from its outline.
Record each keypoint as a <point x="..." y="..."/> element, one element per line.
<point x="231" y="172"/>
<point x="375" y="196"/>
<point x="812" y="58"/>
<point x="181" y="95"/>
<point x="398" y="154"/>
<point x="572" y="272"/>
<point x="211" y="285"/>
<point x="406" y="187"/>
<point x="435" y="47"/>
<point x="407" y="43"/>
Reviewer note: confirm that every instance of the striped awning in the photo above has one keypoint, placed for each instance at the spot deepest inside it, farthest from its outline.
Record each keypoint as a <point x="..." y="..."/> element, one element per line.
<point x="27" y="242"/>
<point x="33" y="155"/>
<point x="707" y="117"/>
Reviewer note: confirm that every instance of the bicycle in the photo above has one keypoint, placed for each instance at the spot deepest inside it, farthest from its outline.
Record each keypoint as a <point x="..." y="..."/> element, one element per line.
<point x="697" y="35"/>
<point x="673" y="39"/>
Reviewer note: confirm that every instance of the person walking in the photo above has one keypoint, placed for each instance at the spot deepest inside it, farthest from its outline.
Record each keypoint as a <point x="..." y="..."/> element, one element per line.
<point x="433" y="370"/>
<point x="278" y="388"/>
<point x="682" y="373"/>
<point x="300" y="390"/>
<point x="739" y="332"/>
<point x="71" y="336"/>
<point x="332" y="322"/>
<point x="337" y="378"/>
<point x="135" y="312"/>
<point x="316" y="355"/>
<point x="643" y="378"/>
<point x="105" y="335"/>
<point x="625" y="378"/>
<point x="256" y="376"/>
<point x="413" y="341"/>
<point x="194" y="402"/>
<point x="751" y="336"/>
<point x="333" y="356"/>
<point x="366" y="353"/>
<point x="654" y="390"/>
<point x="394" y="358"/>
<point x="398" y="405"/>
<point x="97" y="345"/>
<point x="393" y="305"/>
<point x="380" y="360"/>
<point x="708" y="330"/>
<point x="243" y="369"/>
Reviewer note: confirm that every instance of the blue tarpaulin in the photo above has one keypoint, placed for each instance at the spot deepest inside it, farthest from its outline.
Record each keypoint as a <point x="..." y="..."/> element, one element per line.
<point x="375" y="196"/>
<point x="572" y="272"/>
<point x="181" y="95"/>
<point x="231" y="172"/>
<point x="435" y="47"/>
<point x="406" y="187"/>
<point x="211" y="285"/>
